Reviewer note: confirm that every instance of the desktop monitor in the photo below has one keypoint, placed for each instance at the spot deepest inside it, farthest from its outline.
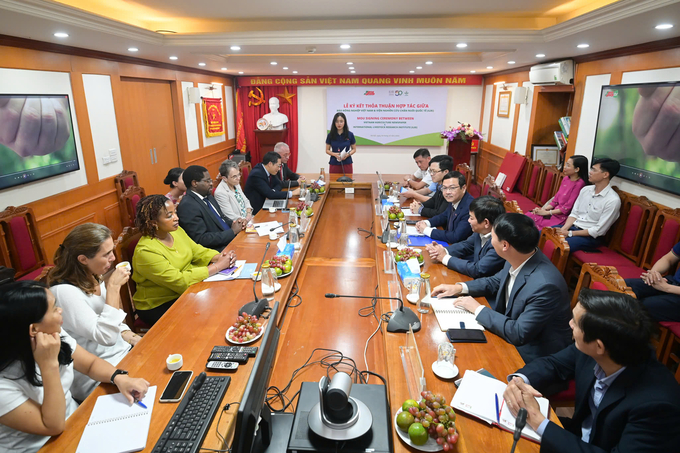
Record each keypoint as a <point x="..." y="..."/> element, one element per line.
<point x="37" y="139"/>
<point x="251" y="406"/>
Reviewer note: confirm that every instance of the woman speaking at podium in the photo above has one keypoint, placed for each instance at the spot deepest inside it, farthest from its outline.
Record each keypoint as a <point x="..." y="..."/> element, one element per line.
<point x="339" y="139"/>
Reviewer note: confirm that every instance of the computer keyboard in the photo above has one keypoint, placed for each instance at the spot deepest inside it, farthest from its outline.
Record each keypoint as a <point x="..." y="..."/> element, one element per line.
<point x="190" y="422"/>
<point x="279" y="203"/>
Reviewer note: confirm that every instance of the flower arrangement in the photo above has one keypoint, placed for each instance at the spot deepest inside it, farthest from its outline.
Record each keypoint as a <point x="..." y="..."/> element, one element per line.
<point x="464" y="131"/>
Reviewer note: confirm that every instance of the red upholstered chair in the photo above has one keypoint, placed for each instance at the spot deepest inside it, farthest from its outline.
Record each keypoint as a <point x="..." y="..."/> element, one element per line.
<point x="21" y="246"/>
<point x="664" y="234"/>
<point x="125" y="249"/>
<point x="670" y="343"/>
<point x="487" y="185"/>
<point x="548" y="186"/>
<point x="512" y="206"/>
<point x="512" y="166"/>
<point x="528" y="186"/>
<point x="605" y="278"/>
<point x="245" y="168"/>
<point x="125" y="180"/>
<point x="128" y="204"/>
<point x="554" y="245"/>
<point x="465" y="170"/>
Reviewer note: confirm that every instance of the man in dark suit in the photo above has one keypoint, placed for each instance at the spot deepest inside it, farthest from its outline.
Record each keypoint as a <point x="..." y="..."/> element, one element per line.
<point x="455" y="218"/>
<point x="475" y="256"/>
<point x="626" y="401"/>
<point x="436" y="204"/>
<point x="262" y="182"/>
<point x="531" y="305"/>
<point x="285" y="174"/>
<point x="200" y="215"/>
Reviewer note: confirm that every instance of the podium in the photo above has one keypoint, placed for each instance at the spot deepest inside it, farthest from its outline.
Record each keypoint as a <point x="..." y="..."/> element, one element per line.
<point x="267" y="139"/>
<point x="462" y="152"/>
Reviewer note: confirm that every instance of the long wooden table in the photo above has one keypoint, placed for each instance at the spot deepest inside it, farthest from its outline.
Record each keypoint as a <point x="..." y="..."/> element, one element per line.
<point x="335" y="257"/>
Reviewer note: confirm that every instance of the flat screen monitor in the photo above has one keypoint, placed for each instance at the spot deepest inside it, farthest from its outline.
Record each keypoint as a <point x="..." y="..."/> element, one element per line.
<point x="639" y="125"/>
<point x="248" y="416"/>
<point x="36" y="138"/>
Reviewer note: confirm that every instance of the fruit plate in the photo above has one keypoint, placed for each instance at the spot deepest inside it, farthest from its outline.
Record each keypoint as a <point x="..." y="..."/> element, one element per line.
<point x="231" y="329"/>
<point x="286" y="275"/>
<point x="307" y="216"/>
<point x="430" y="445"/>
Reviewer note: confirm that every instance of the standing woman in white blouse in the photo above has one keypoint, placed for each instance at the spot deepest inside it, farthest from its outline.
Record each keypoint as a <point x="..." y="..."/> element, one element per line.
<point x="229" y="195"/>
<point x="93" y="313"/>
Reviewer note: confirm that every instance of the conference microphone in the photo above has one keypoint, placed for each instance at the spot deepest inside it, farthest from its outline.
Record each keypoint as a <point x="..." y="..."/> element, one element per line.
<point x="258" y="306"/>
<point x="344" y="177"/>
<point x="401" y="319"/>
<point x="285" y="207"/>
<point x="383" y="196"/>
<point x="520" y="423"/>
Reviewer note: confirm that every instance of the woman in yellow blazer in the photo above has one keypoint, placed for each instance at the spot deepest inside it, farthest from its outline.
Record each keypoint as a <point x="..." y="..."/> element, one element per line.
<point x="166" y="261"/>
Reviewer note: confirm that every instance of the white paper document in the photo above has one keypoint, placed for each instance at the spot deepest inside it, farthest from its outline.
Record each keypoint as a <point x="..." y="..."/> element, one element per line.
<point x="220" y="277"/>
<point x="451" y="317"/>
<point x="413" y="231"/>
<point x="407" y="212"/>
<point x="263" y="229"/>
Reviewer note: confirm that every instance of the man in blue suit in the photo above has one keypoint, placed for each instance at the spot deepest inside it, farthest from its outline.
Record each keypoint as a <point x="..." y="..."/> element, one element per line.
<point x="529" y="298"/>
<point x="262" y="182"/>
<point x="455" y="218"/>
<point x="475" y="256"/>
<point x="626" y="401"/>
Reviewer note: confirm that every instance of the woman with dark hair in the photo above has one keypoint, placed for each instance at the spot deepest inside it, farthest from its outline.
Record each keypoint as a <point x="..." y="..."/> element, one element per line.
<point x="36" y="368"/>
<point x="340" y="139"/>
<point x="176" y="183"/>
<point x="558" y="208"/>
<point x="90" y="298"/>
<point x="166" y="260"/>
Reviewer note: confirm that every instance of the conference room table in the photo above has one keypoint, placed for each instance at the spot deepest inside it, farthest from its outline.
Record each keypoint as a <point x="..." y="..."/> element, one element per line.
<point x="340" y="253"/>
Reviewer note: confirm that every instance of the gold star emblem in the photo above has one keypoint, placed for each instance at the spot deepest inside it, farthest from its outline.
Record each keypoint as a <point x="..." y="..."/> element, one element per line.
<point x="286" y="96"/>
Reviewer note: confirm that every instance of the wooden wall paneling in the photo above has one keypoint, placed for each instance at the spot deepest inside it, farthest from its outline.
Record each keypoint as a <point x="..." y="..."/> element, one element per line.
<point x="16" y="58"/>
<point x="481" y="111"/>
<point x="93" y="66"/>
<point x="549" y="107"/>
<point x="112" y="218"/>
<point x="493" y="109"/>
<point x="180" y="130"/>
<point x="199" y="125"/>
<point x="146" y="72"/>
<point x="53" y="238"/>
<point x="83" y="119"/>
<point x="160" y="122"/>
<point x="515" y="121"/>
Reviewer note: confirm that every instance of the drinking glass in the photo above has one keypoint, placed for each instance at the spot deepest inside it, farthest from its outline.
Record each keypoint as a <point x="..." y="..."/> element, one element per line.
<point x="446" y="354"/>
<point x="413" y="295"/>
<point x="269" y="281"/>
<point x="393" y="237"/>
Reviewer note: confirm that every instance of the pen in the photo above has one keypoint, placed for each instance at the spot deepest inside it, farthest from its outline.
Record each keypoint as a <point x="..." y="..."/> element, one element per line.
<point x="498" y="412"/>
<point x="144" y="406"/>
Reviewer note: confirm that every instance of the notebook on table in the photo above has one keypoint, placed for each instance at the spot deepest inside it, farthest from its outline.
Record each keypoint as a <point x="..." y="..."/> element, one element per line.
<point x="115" y="426"/>
<point x="450" y="317"/>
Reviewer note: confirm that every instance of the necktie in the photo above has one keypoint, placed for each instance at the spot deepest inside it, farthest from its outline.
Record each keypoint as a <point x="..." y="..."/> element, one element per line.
<point x="281" y="172"/>
<point x="451" y="217"/>
<point x="216" y="215"/>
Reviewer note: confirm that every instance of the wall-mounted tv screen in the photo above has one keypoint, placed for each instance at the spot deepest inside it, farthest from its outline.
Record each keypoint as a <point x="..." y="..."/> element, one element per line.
<point x="639" y="125"/>
<point x="36" y="138"/>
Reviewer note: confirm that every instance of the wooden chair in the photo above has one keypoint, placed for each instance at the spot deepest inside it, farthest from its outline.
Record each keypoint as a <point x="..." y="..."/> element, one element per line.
<point x="554" y="245"/>
<point x="125" y="247"/>
<point x="467" y="171"/>
<point x="670" y="344"/>
<point x="605" y="278"/>
<point x="125" y="180"/>
<point x="245" y="169"/>
<point x="548" y="185"/>
<point x="21" y="246"/>
<point x="663" y="235"/>
<point x="128" y="204"/>
<point x="488" y="184"/>
<point x="512" y="206"/>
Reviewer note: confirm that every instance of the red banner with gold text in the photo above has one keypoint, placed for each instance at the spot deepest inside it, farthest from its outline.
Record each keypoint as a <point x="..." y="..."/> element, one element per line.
<point x="368" y="80"/>
<point x="212" y="116"/>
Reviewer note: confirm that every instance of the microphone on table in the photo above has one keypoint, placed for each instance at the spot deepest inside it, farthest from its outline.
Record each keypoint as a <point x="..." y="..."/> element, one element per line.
<point x="344" y="177"/>
<point x="258" y="306"/>
<point x="401" y="319"/>
<point x="285" y="207"/>
<point x="520" y="423"/>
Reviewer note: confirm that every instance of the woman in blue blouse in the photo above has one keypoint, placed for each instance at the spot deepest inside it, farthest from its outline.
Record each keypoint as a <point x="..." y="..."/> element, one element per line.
<point x="338" y="139"/>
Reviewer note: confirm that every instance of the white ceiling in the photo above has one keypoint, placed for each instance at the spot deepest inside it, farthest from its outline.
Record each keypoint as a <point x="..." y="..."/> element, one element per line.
<point x="394" y="43"/>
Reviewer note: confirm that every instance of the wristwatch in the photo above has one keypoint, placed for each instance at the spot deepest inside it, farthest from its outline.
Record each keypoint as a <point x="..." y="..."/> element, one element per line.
<point x="569" y="233"/>
<point x="116" y="373"/>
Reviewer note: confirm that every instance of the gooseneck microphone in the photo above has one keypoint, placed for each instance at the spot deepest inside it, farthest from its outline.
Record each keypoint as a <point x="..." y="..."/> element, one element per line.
<point x="401" y="319"/>
<point x="257" y="306"/>
<point x="344" y="177"/>
<point x="520" y="423"/>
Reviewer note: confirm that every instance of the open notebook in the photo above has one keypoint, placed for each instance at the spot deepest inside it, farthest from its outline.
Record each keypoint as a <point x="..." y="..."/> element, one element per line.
<point x="477" y="396"/>
<point x="115" y="426"/>
<point x="450" y="317"/>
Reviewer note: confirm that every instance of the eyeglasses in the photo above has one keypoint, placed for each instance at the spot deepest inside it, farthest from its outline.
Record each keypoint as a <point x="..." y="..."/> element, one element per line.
<point x="449" y="188"/>
<point x="206" y="180"/>
<point x="432" y="172"/>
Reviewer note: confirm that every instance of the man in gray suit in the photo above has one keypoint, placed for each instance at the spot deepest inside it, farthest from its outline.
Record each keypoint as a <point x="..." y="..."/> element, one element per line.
<point x="528" y="297"/>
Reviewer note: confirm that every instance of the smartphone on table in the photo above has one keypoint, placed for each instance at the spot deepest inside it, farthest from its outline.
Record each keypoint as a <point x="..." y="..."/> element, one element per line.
<point x="175" y="389"/>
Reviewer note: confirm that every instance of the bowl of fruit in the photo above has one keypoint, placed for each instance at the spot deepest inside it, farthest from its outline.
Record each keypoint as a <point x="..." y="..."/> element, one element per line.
<point x="316" y="188"/>
<point x="302" y="207"/>
<point x="407" y="253"/>
<point x="245" y="330"/>
<point x="427" y="425"/>
<point x="395" y="214"/>
<point x="281" y="264"/>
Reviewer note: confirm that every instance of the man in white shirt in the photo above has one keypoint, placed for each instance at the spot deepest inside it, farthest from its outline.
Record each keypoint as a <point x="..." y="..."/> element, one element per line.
<point x="595" y="210"/>
<point x="529" y="299"/>
<point x="421" y="178"/>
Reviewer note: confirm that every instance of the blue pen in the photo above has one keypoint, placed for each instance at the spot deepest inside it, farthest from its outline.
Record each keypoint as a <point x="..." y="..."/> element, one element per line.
<point x="498" y="412"/>
<point x="144" y="406"/>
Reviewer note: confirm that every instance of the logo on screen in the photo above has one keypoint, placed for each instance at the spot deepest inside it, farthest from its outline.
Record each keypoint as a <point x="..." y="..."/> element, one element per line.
<point x="369" y="93"/>
<point x="612" y="94"/>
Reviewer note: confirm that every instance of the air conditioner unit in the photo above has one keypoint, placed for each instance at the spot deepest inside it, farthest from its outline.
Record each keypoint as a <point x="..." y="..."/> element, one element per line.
<point x="558" y="73"/>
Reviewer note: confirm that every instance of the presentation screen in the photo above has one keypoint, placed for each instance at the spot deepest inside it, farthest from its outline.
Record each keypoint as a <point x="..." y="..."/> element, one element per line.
<point x="36" y="138"/>
<point x="639" y="125"/>
<point x="390" y="115"/>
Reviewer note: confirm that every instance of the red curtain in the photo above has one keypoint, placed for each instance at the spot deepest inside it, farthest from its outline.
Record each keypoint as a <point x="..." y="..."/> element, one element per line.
<point x="250" y="115"/>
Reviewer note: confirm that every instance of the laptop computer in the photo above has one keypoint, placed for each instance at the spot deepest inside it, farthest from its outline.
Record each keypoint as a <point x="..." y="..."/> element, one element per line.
<point x="277" y="204"/>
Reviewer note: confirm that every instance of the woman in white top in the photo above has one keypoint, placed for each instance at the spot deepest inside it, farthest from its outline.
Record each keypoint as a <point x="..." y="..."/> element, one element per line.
<point x="36" y="368"/>
<point x="229" y="194"/>
<point x="93" y="314"/>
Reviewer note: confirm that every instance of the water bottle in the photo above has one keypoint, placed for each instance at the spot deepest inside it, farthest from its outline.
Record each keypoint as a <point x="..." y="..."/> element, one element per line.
<point x="403" y="236"/>
<point x="292" y="218"/>
<point x="294" y="236"/>
<point x="322" y="174"/>
<point x="269" y="281"/>
<point x="424" y="301"/>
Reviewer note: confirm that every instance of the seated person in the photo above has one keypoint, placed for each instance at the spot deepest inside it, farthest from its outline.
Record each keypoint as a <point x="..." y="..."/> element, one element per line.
<point x="558" y="208"/>
<point x="455" y="218"/>
<point x="166" y="261"/>
<point x="626" y="401"/>
<point x="200" y="214"/>
<point x="436" y="204"/>
<point x="659" y="295"/>
<point x="263" y="184"/>
<point x="595" y="210"/>
<point x="529" y="298"/>
<point x="176" y="183"/>
<point x="229" y="196"/>
<point x="36" y="368"/>
<point x="285" y="174"/>
<point x="421" y="178"/>
<point x="475" y="256"/>
<point x="93" y="314"/>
